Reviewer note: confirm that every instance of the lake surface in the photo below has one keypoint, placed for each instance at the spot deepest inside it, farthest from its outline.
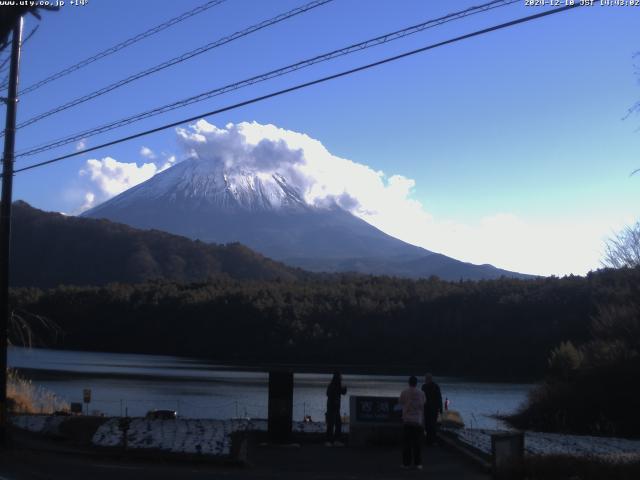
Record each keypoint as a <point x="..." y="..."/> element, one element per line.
<point x="130" y="384"/>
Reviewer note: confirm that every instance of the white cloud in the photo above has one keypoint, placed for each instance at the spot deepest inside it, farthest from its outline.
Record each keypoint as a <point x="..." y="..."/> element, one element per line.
<point x="102" y="179"/>
<point x="168" y="162"/>
<point x="108" y="177"/>
<point x="81" y="145"/>
<point x="320" y="176"/>
<point x="511" y="242"/>
<point x="89" y="201"/>
<point x="146" y="152"/>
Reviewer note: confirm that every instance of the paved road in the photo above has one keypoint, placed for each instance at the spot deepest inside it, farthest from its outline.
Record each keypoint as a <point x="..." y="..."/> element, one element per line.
<point x="309" y="461"/>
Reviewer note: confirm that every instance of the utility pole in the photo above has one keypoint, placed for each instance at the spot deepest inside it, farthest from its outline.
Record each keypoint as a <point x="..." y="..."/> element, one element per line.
<point x="5" y="218"/>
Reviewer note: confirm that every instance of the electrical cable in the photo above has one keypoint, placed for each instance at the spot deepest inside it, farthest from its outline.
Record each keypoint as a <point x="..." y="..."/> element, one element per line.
<point x="308" y="84"/>
<point x="266" y="76"/>
<point x="174" y="61"/>
<point x="126" y="43"/>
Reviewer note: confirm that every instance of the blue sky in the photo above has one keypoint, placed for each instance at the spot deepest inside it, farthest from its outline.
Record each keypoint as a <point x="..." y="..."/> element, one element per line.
<point x="513" y="144"/>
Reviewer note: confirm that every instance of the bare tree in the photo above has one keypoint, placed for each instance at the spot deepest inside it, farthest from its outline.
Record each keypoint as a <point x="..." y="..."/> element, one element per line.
<point x="623" y="250"/>
<point x="28" y="329"/>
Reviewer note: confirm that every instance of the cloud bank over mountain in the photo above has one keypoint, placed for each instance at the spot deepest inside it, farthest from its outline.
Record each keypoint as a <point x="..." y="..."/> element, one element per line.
<point x="107" y="177"/>
<point x="320" y="177"/>
<point x="384" y="200"/>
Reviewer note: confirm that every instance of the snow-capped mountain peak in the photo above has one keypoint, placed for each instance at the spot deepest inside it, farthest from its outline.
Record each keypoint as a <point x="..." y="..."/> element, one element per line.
<point x="202" y="183"/>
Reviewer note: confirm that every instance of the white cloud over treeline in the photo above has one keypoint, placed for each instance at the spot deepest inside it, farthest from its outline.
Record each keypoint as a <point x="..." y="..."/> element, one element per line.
<point x="386" y="200"/>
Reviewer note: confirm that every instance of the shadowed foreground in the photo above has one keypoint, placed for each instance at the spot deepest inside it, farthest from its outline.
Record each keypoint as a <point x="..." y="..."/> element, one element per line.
<point x="34" y="458"/>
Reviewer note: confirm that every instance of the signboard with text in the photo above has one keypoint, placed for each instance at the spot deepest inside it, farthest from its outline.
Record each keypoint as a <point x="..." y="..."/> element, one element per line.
<point x="375" y="410"/>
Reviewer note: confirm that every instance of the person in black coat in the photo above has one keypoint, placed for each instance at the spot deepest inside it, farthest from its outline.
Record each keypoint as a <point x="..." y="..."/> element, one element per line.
<point x="432" y="407"/>
<point x="334" y="422"/>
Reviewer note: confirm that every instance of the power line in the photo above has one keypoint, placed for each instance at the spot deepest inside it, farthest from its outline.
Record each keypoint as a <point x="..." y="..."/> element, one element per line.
<point x="176" y="60"/>
<point x="306" y="84"/>
<point x="267" y="76"/>
<point x="126" y="43"/>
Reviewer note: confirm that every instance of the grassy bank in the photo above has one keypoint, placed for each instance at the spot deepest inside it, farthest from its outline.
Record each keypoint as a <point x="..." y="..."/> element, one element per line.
<point x="25" y="397"/>
<point x="593" y="399"/>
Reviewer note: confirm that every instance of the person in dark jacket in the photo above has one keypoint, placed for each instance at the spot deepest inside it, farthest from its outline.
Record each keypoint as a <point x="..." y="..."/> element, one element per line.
<point x="432" y="407"/>
<point x="334" y="422"/>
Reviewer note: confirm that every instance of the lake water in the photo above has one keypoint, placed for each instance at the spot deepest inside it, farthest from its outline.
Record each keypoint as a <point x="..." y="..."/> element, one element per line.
<point x="129" y="384"/>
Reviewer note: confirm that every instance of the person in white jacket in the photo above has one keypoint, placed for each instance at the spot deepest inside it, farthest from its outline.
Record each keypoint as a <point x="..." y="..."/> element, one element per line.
<point x="412" y="402"/>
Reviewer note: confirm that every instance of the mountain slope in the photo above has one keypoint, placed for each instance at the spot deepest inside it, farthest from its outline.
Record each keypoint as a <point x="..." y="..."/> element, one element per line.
<point x="50" y="249"/>
<point x="204" y="202"/>
<point x="207" y="201"/>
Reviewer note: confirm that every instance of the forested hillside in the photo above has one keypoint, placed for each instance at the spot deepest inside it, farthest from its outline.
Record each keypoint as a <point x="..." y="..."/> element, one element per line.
<point x="50" y="249"/>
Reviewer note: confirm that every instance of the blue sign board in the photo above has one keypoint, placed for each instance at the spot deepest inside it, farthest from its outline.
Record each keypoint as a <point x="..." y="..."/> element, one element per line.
<point x="377" y="410"/>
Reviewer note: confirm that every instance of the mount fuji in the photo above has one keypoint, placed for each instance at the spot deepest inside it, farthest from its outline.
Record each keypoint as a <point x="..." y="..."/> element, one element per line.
<point x="203" y="200"/>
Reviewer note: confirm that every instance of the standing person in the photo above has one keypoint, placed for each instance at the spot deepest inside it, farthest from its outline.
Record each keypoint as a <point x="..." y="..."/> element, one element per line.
<point x="412" y="403"/>
<point x="334" y="422"/>
<point x="431" y="409"/>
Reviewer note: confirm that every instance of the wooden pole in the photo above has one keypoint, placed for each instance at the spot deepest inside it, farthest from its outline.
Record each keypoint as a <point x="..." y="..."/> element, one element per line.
<point x="5" y="218"/>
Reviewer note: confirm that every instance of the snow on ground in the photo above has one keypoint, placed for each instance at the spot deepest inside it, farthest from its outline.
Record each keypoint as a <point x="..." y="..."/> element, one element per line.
<point x="38" y="423"/>
<point x="539" y="443"/>
<point x="200" y="436"/>
<point x="183" y="435"/>
<point x="208" y="437"/>
<point x="108" y="434"/>
<point x="213" y="437"/>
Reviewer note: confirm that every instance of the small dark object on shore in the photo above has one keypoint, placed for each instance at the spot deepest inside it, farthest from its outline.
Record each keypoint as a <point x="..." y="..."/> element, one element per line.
<point x="162" y="414"/>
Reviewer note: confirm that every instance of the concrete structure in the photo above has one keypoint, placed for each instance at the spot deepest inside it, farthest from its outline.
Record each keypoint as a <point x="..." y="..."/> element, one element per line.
<point x="374" y="421"/>
<point x="507" y="454"/>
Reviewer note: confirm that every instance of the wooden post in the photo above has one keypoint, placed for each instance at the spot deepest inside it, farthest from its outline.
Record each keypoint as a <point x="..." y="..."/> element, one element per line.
<point x="280" y="406"/>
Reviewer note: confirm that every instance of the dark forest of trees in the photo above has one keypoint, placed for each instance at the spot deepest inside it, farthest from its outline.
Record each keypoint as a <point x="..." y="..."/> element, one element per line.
<point x="591" y="387"/>
<point x="499" y="328"/>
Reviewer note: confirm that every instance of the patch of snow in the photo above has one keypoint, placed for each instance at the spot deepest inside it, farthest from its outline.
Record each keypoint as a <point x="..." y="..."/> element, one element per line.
<point x="46" y="424"/>
<point x="108" y="434"/>
<point x="540" y="443"/>
<point x="195" y="436"/>
<point x="182" y="435"/>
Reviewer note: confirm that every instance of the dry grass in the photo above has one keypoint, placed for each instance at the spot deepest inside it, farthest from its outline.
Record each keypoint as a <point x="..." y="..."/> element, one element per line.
<point x="25" y="397"/>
